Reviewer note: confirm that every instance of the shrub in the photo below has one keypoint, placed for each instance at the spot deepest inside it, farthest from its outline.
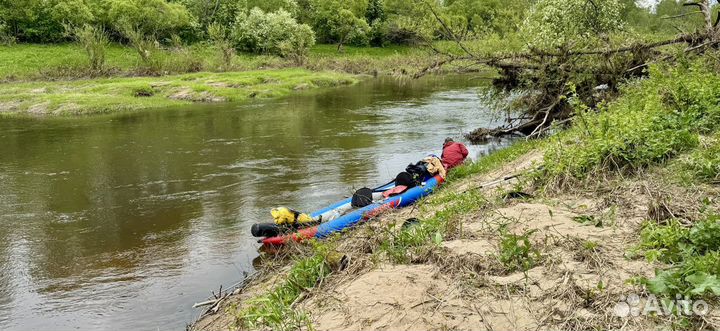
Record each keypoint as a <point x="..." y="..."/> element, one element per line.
<point x="349" y="29"/>
<point x="218" y="35"/>
<point x="665" y="243"/>
<point x="694" y="253"/>
<point x="156" y="18"/>
<point x="261" y="32"/>
<point x="146" y="47"/>
<point x="94" y="41"/>
<point x="298" y="47"/>
<point x="553" y="23"/>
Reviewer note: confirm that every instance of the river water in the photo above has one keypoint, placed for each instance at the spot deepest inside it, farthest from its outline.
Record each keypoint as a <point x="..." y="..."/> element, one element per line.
<point x="124" y="221"/>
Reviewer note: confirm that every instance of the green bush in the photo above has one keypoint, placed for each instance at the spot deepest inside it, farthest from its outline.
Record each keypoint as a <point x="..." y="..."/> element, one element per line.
<point x="261" y="32"/>
<point x="693" y="252"/>
<point x="156" y="18"/>
<point x="665" y="243"/>
<point x="94" y="41"/>
<point x="654" y="119"/>
<point x="219" y="36"/>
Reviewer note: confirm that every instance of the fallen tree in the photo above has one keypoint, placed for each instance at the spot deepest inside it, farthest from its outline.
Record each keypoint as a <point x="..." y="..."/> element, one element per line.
<point x="557" y="72"/>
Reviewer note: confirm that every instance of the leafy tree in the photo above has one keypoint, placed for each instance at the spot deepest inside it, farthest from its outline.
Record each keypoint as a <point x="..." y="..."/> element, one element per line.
<point x="42" y="21"/>
<point x="208" y="12"/>
<point x="671" y="16"/>
<point x="375" y="11"/>
<point x="326" y="20"/>
<point x="262" y="32"/>
<point x="489" y="16"/>
<point x="298" y="46"/>
<point x="556" y="23"/>
<point x="269" y="6"/>
<point x="346" y="26"/>
<point x="157" y="18"/>
<point x="410" y="22"/>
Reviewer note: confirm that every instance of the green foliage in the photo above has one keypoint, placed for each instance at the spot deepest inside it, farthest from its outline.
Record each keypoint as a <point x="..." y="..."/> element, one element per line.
<point x="94" y="41"/>
<point x="262" y="32"/>
<point x="147" y="48"/>
<point x="348" y="28"/>
<point x="665" y="243"/>
<point x="694" y="254"/>
<point x="704" y="163"/>
<point x="489" y="16"/>
<point x="219" y="36"/>
<point x="517" y="251"/>
<point x="375" y="11"/>
<point x="554" y="23"/>
<point x="340" y="22"/>
<point x="157" y="18"/>
<point x="653" y="120"/>
<point x="297" y="47"/>
<point x="274" y="309"/>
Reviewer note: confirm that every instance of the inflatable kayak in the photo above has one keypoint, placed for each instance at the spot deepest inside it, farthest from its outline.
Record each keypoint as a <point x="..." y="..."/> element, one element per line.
<point x="326" y="214"/>
<point x="348" y="220"/>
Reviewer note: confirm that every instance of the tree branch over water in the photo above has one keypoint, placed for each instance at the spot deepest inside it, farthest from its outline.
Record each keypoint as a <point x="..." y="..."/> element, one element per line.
<point x="558" y="72"/>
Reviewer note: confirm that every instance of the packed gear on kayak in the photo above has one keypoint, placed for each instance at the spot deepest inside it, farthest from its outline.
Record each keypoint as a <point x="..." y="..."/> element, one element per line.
<point x="409" y="184"/>
<point x="284" y="215"/>
<point x="453" y="154"/>
<point x="413" y="175"/>
<point x="434" y="166"/>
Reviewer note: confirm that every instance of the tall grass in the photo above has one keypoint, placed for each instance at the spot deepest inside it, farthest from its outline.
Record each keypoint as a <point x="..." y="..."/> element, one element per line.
<point x="94" y="41"/>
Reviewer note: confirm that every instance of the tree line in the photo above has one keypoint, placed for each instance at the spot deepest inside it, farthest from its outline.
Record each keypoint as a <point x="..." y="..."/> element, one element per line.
<point x="356" y="22"/>
<point x="289" y="28"/>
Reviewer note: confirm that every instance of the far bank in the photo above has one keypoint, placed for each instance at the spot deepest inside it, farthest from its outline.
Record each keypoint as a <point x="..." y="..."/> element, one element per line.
<point x="107" y="95"/>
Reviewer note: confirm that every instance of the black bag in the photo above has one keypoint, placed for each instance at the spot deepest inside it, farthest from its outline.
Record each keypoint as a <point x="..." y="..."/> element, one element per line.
<point x="361" y="198"/>
<point x="406" y="179"/>
<point x="418" y="171"/>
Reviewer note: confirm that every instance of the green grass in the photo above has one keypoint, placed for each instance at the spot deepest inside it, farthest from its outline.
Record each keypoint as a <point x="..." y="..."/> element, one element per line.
<point x="352" y="51"/>
<point x="62" y="61"/>
<point x="517" y="252"/>
<point x="703" y="164"/>
<point x="133" y="93"/>
<point x="274" y="309"/>
<point x="28" y="62"/>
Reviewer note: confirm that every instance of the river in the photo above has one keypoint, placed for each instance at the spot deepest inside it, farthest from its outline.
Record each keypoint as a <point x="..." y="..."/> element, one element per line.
<point x="124" y="221"/>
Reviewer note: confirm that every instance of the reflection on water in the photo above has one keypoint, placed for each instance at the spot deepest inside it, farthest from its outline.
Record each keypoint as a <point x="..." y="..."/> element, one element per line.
<point x="122" y="222"/>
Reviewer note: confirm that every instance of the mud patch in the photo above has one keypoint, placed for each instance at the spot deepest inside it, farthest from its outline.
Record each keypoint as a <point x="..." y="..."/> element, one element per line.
<point x="190" y="95"/>
<point x="9" y="106"/>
